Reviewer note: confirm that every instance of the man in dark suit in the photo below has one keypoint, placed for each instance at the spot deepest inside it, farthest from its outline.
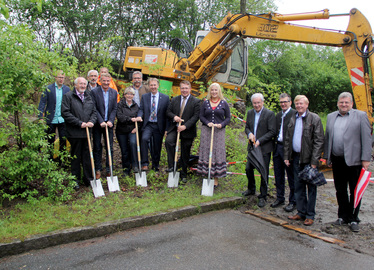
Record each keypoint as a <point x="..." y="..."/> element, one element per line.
<point x="138" y="86"/>
<point x="260" y="130"/>
<point x="105" y="100"/>
<point x="152" y="112"/>
<point x="347" y="150"/>
<point x="282" y="119"/>
<point x="183" y="109"/>
<point x="50" y="108"/>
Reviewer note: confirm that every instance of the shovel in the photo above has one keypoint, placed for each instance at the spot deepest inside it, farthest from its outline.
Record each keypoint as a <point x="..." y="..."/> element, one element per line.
<point x="112" y="180"/>
<point x="208" y="184"/>
<point x="173" y="179"/>
<point x="95" y="183"/>
<point x="140" y="177"/>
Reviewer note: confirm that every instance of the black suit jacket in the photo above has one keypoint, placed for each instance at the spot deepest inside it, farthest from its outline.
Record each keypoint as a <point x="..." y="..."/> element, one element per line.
<point x="286" y="120"/>
<point x="98" y="99"/>
<point x="145" y="110"/>
<point x="47" y="104"/>
<point x="265" y="129"/>
<point x="190" y="115"/>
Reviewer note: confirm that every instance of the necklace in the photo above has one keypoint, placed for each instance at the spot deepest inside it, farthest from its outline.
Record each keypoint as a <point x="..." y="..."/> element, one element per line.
<point x="215" y="102"/>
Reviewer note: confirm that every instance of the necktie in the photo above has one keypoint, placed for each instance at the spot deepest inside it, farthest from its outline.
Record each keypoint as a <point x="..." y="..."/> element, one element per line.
<point x="182" y="107"/>
<point x="280" y="135"/>
<point x="153" y="109"/>
<point x="81" y="96"/>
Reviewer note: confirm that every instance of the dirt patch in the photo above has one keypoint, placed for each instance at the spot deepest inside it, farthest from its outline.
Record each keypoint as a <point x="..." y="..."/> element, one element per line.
<point x="326" y="214"/>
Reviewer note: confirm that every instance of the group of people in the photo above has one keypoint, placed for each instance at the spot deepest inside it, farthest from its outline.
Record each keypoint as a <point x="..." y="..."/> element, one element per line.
<point x="296" y="139"/>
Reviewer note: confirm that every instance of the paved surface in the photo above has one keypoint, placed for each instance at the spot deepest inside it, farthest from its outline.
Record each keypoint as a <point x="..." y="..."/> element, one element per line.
<point x="225" y="239"/>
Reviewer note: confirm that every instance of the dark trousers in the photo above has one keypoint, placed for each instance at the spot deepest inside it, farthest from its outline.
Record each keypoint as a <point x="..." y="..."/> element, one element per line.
<point x="61" y="134"/>
<point x="127" y="142"/>
<point x="81" y="155"/>
<point x="279" y="174"/>
<point x="249" y="170"/>
<point x="185" y="146"/>
<point x="151" y="131"/>
<point x="345" y="176"/>
<point x="98" y="133"/>
<point x="305" y="203"/>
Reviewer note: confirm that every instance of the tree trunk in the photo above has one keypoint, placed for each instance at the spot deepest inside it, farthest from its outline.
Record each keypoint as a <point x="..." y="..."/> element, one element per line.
<point x="243" y="6"/>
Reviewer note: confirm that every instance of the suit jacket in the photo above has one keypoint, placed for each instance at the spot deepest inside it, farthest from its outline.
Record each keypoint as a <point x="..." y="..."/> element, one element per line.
<point x="143" y="90"/>
<point x="47" y="104"/>
<point x="357" y="138"/>
<point x="265" y="129"/>
<point x="145" y="110"/>
<point x="98" y="99"/>
<point x="190" y="115"/>
<point x="278" y="122"/>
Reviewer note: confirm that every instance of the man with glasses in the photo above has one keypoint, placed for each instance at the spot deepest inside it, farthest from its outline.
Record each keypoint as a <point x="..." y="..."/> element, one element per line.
<point x="137" y="85"/>
<point x="281" y="121"/>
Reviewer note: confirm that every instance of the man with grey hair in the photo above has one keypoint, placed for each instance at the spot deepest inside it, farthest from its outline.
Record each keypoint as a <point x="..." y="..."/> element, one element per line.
<point x="347" y="150"/>
<point x="92" y="77"/>
<point x="79" y="112"/>
<point x="282" y="119"/>
<point x="260" y="130"/>
<point x="139" y="88"/>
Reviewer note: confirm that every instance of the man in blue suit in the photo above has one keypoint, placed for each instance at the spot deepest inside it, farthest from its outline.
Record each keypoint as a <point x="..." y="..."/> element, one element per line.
<point x="105" y="100"/>
<point x="153" y="107"/>
<point x="50" y="108"/>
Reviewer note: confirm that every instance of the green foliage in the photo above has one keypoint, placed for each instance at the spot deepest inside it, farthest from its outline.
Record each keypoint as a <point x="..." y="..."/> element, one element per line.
<point x="27" y="67"/>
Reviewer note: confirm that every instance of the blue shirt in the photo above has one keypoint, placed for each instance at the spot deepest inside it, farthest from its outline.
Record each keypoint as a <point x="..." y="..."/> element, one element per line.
<point x="298" y="133"/>
<point x="156" y="97"/>
<point x="280" y="135"/>
<point x="257" y="118"/>
<point x="106" y="103"/>
<point x="57" y="119"/>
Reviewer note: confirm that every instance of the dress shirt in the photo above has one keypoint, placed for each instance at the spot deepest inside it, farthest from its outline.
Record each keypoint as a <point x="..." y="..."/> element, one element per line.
<point x="57" y="119"/>
<point x="298" y="133"/>
<point x="257" y="118"/>
<point x="137" y="96"/>
<point x="106" y="103"/>
<point x="338" y="133"/>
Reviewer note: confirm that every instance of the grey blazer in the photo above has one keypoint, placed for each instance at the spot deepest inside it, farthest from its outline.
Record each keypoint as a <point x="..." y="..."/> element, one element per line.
<point x="357" y="138"/>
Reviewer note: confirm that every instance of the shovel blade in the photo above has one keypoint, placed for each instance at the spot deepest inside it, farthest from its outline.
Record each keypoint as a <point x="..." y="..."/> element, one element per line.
<point x="208" y="187"/>
<point x="113" y="185"/>
<point x="141" y="179"/>
<point x="173" y="179"/>
<point x="97" y="188"/>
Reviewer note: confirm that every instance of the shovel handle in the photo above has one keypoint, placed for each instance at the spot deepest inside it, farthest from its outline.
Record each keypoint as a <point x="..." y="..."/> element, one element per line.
<point x="177" y="144"/>
<point x="108" y="146"/>
<point x="211" y="148"/>
<point x="91" y="154"/>
<point x="137" y="141"/>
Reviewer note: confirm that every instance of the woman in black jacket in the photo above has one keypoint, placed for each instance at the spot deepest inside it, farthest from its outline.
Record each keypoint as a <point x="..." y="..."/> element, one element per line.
<point x="127" y="111"/>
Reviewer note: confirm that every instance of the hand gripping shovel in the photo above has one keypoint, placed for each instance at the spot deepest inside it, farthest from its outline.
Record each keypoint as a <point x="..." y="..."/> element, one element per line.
<point x="95" y="183"/>
<point x="140" y="177"/>
<point x="208" y="184"/>
<point x="173" y="179"/>
<point x="112" y="180"/>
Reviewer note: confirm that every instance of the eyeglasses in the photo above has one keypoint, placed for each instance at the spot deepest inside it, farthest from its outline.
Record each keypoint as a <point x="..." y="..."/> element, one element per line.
<point x="282" y="102"/>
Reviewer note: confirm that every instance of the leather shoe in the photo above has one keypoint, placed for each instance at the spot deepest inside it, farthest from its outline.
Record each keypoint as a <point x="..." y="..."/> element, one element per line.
<point x="145" y="168"/>
<point x="184" y="181"/>
<point x="248" y="192"/>
<point x="276" y="203"/>
<point x="261" y="202"/>
<point x="136" y="169"/>
<point x="308" y="222"/>
<point x="295" y="217"/>
<point x="98" y="174"/>
<point x="170" y="169"/>
<point x="290" y="207"/>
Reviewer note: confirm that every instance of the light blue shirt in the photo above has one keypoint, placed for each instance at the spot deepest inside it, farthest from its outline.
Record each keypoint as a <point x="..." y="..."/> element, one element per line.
<point x="137" y="96"/>
<point x="106" y="103"/>
<point x="280" y="135"/>
<point x="257" y="118"/>
<point x="57" y="119"/>
<point x="157" y="95"/>
<point x="298" y="133"/>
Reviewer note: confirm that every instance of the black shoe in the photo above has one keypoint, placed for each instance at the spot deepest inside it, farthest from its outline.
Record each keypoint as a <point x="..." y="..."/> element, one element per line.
<point x="261" y="202"/>
<point x="354" y="226"/>
<point x="184" y="181"/>
<point x="290" y="207"/>
<point x="277" y="203"/>
<point x="76" y="187"/>
<point x="339" y="222"/>
<point x="170" y="169"/>
<point x="248" y="193"/>
<point x="136" y="169"/>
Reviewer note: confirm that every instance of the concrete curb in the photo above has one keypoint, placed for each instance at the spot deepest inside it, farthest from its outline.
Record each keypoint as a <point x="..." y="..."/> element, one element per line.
<point x="102" y="229"/>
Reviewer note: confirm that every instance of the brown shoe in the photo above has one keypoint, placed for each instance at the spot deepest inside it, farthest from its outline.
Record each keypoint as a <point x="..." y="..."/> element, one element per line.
<point x="145" y="168"/>
<point x="295" y="217"/>
<point x="308" y="222"/>
<point x="98" y="174"/>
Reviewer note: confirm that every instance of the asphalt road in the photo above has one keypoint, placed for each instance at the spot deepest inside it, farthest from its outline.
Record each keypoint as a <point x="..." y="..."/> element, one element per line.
<point x="217" y="240"/>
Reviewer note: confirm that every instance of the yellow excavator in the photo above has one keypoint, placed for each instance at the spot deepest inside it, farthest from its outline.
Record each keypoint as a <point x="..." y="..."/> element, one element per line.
<point x="221" y="56"/>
